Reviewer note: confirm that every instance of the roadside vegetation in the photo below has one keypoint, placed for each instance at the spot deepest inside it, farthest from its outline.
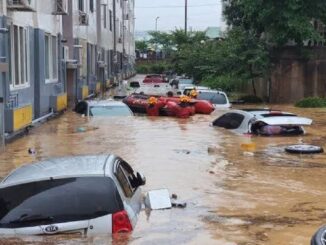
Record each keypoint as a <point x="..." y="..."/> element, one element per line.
<point x="312" y="102"/>
<point x="248" y="50"/>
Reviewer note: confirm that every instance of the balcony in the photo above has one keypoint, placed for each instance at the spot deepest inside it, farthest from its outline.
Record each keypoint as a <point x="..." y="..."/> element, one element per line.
<point x="21" y="5"/>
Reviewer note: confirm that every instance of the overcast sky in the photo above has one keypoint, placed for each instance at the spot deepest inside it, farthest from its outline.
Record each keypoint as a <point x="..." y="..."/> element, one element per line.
<point x="201" y="14"/>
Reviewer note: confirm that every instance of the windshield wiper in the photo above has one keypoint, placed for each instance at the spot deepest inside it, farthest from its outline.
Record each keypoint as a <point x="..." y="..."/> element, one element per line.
<point x="33" y="218"/>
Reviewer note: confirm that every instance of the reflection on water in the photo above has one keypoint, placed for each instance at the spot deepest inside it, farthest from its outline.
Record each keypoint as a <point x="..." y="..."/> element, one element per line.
<point x="263" y="196"/>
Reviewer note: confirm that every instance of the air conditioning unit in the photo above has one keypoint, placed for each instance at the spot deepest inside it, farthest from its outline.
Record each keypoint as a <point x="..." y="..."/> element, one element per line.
<point x="21" y="5"/>
<point x="83" y="19"/>
<point x="60" y="7"/>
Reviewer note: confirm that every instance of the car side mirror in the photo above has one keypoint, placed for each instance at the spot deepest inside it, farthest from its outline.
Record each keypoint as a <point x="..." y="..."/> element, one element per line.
<point x="141" y="179"/>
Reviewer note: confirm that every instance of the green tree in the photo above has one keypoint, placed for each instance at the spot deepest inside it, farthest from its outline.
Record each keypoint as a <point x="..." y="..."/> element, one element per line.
<point x="142" y="46"/>
<point x="277" y="21"/>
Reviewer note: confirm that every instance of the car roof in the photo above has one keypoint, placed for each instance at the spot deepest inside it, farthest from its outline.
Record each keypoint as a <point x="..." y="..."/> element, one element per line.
<point x="261" y="113"/>
<point x="105" y="103"/>
<point x="64" y="167"/>
<point x="265" y="111"/>
<point x="204" y="89"/>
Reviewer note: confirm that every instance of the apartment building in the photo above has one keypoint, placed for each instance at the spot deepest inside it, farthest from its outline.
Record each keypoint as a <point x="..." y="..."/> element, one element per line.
<point x="57" y="51"/>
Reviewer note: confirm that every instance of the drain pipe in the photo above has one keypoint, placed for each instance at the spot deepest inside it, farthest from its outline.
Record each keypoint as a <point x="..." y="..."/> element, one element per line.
<point x="43" y="118"/>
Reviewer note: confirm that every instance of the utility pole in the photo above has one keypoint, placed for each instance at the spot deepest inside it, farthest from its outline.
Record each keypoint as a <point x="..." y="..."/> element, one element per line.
<point x="114" y="39"/>
<point x="156" y="23"/>
<point x="186" y="16"/>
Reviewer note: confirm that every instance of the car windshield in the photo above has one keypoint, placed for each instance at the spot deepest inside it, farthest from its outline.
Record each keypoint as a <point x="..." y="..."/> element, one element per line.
<point x="185" y="81"/>
<point x="214" y="97"/>
<point x="58" y="201"/>
<point x="109" y="111"/>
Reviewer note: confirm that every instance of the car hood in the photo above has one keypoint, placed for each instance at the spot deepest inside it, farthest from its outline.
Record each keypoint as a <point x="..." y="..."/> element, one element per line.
<point x="286" y="120"/>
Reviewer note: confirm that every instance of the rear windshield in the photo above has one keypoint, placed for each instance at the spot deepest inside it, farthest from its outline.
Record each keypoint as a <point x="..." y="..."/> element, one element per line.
<point x="213" y="97"/>
<point x="185" y="81"/>
<point x="58" y="201"/>
<point x="278" y="114"/>
<point x="109" y="111"/>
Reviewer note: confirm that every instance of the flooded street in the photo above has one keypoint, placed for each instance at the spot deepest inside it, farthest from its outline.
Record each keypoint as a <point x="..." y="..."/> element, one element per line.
<point x="264" y="196"/>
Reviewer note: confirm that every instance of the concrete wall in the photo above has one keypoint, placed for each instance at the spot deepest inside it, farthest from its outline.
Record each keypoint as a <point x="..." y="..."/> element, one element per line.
<point x="294" y="77"/>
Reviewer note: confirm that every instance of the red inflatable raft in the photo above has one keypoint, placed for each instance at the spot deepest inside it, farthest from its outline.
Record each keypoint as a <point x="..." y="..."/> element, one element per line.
<point x="181" y="107"/>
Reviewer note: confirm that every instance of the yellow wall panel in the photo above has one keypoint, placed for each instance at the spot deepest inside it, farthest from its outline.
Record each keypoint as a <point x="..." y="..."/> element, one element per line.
<point x="85" y="92"/>
<point x="22" y="117"/>
<point x="62" y="102"/>
<point x="98" y="87"/>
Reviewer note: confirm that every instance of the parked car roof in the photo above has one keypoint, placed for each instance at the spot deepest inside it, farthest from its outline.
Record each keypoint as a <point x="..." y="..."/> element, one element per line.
<point x="63" y="167"/>
<point x="105" y="103"/>
<point x="103" y="108"/>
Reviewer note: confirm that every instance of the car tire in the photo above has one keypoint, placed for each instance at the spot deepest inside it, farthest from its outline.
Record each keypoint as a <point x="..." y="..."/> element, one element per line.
<point x="304" y="149"/>
<point x="320" y="237"/>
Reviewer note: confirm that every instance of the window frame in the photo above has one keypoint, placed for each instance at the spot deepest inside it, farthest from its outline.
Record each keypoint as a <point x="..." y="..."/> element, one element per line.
<point x="124" y="166"/>
<point x="53" y="59"/>
<point x="104" y="16"/>
<point x="111" y="20"/>
<point x="81" y="5"/>
<point x="14" y="70"/>
<point x="91" y="6"/>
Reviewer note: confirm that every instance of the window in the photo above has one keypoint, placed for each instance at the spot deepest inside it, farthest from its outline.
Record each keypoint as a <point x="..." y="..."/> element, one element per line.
<point x="91" y="5"/>
<point x="229" y="121"/>
<point x="214" y="97"/>
<point x="104" y="17"/>
<point x="19" y="75"/>
<point x="92" y="58"/>
<point x="111" y="19"/>
<point x="58" y="201"/>
<point x="81" y="5"/>
<point x="51" y="58"/>
<point x="125" y="175"/>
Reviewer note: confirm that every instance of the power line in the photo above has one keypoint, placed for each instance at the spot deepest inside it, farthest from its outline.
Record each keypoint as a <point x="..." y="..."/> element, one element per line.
<point x="176" y="6"/>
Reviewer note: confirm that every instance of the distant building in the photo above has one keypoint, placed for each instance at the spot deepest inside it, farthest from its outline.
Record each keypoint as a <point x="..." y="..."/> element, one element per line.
<point x="214" y="32"/>
<point x="52" y="51"/>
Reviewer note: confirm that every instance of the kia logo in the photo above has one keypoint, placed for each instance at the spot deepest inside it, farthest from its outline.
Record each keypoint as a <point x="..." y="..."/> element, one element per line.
<point x="51" y="229"/>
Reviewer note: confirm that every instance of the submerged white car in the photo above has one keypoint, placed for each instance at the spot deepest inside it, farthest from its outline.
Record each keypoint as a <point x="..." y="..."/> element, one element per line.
<point x="84" y="194"/>
<point x="262" y="122"/>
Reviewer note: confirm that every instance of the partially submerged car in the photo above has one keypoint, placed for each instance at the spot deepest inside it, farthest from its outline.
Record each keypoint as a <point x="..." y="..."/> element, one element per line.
<point x="154" y="89"/>
<point x="83" y="194"/>
<point x="155" y="78"/>
<point x="218" y="98"/>
<point x="262" y="122"/>
<point x="103" y="108"/>
<point x="180" y="82"/>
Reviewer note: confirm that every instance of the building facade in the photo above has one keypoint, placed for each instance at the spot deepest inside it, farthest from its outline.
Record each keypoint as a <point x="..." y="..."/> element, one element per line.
<point x="57" y="51"/>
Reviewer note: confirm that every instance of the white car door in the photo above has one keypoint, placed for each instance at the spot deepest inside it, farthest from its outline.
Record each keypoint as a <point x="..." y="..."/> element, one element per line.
<point x="131" y="195"/>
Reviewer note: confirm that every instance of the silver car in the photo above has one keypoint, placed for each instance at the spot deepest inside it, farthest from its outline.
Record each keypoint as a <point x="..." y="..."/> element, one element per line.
<point x="262" y="122"/>
<point x="103" y="108"/>
<point x="83" y="194"/>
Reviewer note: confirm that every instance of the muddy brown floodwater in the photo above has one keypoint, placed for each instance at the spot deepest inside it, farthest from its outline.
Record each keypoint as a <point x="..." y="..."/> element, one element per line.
<point x="265" y="196"/>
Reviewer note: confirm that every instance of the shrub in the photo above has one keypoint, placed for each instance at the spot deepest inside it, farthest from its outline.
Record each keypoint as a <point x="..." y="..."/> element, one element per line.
<point x="156" y="68"/>
<point x="251" y="99"/>
<point x="311" y="102"/>
<point x="142" y="69"/>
